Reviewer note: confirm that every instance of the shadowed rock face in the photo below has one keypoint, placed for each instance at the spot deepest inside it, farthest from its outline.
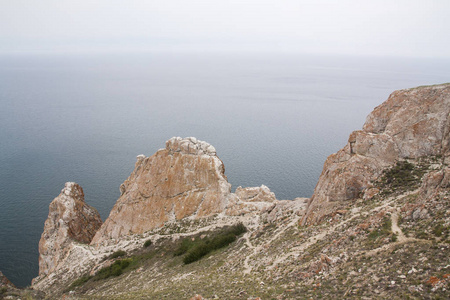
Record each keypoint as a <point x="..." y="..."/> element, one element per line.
<point x="410" y="124"/>
<point x="69" y="220"/>
<point x="186" y="179"/>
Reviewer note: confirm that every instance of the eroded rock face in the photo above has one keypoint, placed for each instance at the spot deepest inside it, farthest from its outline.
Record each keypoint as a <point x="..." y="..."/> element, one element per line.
<point x="251" y="200"/>
<point x="69" y="220"/>
<point x="435" y="183"/>
<point x="410" y="124"/>
<point x="186" y="179"/>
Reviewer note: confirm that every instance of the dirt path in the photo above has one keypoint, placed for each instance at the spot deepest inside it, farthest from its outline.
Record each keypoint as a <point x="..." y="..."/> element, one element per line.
<point x="401" y="238"/>
<point x="257" y="249"/>
<point x="395" y="229"/>
<point x="297" y="251"/>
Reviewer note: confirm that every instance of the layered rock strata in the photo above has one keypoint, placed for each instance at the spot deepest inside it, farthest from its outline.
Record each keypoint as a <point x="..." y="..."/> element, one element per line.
<point x="185" y="179"/>
<point x="411" y="123"/>
<point x="70" y="220"/>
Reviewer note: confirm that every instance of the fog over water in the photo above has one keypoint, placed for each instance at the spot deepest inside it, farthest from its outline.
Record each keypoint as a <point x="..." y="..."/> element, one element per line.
<point x="273" y="118"/>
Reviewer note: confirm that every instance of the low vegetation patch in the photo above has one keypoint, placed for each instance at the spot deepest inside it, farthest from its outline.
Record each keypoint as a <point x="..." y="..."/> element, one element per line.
<point x="117" y="254"/>
<point x="403" y="176"/>
<point x="119" y="267"/>
<point x="116" y="269"/>
<point x="384" y="230"/>
<point x="147" y="243"/>
<point x="79" y="282"/>
<point x="196" y="248"/>
<point x="441" y="231"/>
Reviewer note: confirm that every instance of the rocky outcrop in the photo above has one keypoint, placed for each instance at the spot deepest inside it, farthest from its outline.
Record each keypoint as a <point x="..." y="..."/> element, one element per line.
<point x="255" y="194"/>
<point x="70" y="220"/>
<point x="251" y="200"/>
<point x="186" y="179"/>
<point x="434" y="184"/>
<point x="412" y="123"/>
<point x="282" y="208"/>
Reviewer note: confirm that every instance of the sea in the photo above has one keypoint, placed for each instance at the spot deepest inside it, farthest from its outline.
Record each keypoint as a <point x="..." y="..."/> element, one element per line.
<point x="273" y="118"/>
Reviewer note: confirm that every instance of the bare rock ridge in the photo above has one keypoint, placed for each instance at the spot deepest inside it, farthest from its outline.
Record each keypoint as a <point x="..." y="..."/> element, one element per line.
<point x="185" y="179"/>
<point x="70" y="220"/>
<point x="411" y="123"/>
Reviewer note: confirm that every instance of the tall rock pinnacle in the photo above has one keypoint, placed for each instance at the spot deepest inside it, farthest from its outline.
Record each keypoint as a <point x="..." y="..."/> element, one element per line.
<point x="69" y="220"/>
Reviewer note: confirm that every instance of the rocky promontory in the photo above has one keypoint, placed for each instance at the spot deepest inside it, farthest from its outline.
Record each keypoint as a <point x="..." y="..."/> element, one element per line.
<point x="186" y="179"/>
<point x="377" y="225"/>
<point x="411" y="123"/>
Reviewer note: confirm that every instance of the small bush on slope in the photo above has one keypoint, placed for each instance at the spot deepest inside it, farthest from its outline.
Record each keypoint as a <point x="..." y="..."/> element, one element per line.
<point x="198" y="249"/>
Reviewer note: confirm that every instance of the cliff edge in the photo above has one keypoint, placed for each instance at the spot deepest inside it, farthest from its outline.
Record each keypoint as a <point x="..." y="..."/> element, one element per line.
<point x="411" y="123"/>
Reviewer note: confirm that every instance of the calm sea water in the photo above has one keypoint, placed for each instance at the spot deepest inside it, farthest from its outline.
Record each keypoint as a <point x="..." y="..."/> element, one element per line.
<point x="272" y="118"/>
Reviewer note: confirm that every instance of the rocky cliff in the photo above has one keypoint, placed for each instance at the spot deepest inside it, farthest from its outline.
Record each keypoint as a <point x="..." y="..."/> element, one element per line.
<point x="411" y="123"/>
<point x="385" y="198"/>
<point x="186" y="179"/>
<point x="70" y="220"/>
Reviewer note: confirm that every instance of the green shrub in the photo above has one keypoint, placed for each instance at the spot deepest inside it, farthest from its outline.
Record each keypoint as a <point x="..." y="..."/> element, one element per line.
<point x="394" y="238"/>
<point x="438" y="230"/>
<point x="199" y="248"/>
<point x="222" y="240"/>
<point x="80" y="281"/>
<point x="384" y="230"/>
<point x="374" y="234"/>
<point x="115" y="269"/>
<point x="237" y="229"/>
<point x="197" y="252"/>
<point x="117" y="254"/>
<point x="401" y="177"/>
<point x="147" y="243"/>
<point x="185" y="245"/>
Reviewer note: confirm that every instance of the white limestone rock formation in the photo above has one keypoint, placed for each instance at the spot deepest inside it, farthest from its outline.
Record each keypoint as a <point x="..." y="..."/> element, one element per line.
<point x="70" y="220"/>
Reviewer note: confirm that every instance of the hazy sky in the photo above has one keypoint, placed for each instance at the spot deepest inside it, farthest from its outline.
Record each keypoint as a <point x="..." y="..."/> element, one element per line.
<point x="382" y="27"/>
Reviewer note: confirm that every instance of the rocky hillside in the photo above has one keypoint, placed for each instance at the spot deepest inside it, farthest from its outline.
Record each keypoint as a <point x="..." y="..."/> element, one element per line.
<point x="377" y="226"/>
<point x="411" y="124"/>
